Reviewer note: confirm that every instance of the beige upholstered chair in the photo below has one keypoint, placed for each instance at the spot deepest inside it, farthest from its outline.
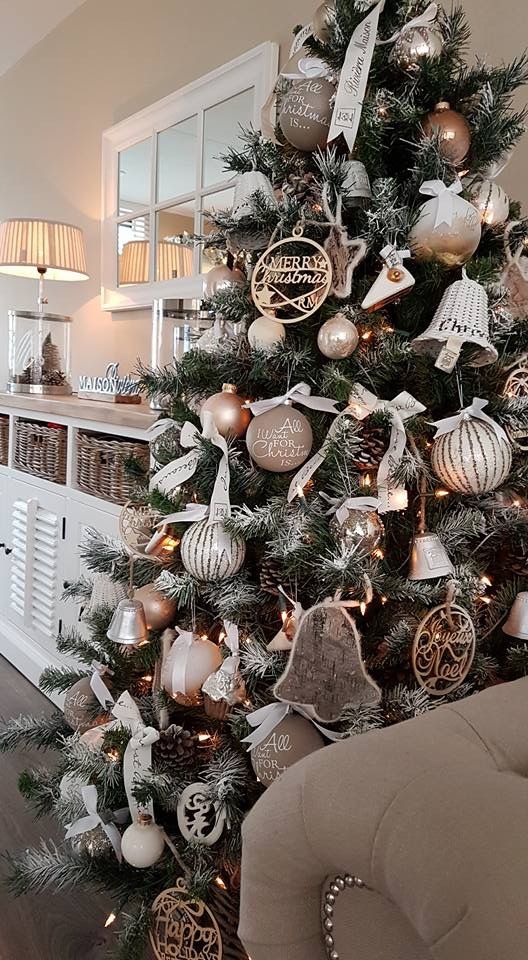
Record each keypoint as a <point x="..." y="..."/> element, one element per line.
<point x="431" y="814"/>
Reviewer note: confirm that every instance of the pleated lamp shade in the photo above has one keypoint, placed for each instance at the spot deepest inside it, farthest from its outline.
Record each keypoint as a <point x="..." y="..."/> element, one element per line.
<point x="28" y="247"/>
<point x="174" y="260"/>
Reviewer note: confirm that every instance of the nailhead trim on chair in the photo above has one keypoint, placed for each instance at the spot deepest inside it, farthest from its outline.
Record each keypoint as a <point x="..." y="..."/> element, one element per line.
<point x="335" y="887"/>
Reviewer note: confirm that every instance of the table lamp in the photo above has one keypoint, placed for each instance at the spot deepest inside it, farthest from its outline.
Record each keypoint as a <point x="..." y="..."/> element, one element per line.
<point x="174" y="260"/>
<point x="42" y="249"/>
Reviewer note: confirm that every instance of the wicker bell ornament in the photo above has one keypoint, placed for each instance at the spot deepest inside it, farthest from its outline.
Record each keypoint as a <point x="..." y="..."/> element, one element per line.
<point x="461" y="318"/>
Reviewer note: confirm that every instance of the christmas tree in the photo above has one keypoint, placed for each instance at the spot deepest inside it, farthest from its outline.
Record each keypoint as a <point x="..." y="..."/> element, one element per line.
<point x="334" y="536"/>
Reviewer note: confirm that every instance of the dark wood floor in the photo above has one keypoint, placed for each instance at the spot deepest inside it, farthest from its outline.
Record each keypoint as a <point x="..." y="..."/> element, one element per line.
<point x="47" y="927"/>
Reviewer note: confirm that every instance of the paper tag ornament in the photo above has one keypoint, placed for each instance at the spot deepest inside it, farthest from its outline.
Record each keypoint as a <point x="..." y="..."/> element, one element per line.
<point x="292" y="279"/>
<point x="393" y="281"/>
<point x="325" y="668"/>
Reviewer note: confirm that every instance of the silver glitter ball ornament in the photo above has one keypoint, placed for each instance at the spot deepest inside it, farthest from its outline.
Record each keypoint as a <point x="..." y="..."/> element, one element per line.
<point x="414" y="45"/>
<point x="362" y="531"/>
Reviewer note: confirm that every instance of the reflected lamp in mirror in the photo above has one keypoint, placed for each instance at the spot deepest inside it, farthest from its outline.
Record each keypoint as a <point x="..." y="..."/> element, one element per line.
<point x="42" y="249"/>
<point x="172" y="260"/>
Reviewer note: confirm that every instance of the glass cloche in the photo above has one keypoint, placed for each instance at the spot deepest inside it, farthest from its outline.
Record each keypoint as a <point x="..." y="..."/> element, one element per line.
<point x="39" y="353"/>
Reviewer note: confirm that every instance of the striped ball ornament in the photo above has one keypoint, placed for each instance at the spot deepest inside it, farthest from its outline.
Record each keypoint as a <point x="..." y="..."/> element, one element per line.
<point x="471" y="458"/>
<point x="203" y="552"/>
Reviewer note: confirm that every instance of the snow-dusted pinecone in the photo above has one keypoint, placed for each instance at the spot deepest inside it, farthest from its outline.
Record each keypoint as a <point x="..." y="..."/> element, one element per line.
<point x="374" y="439"/>
<point x="270" y="575"/>
<point x="176" y="746"/>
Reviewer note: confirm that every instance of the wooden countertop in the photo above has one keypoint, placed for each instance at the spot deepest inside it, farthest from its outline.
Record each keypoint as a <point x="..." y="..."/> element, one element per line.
<point x="138" y="415"/>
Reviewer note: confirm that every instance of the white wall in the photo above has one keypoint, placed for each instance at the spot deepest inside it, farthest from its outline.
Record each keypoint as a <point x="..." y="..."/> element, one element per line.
<point x="107" y="60"/>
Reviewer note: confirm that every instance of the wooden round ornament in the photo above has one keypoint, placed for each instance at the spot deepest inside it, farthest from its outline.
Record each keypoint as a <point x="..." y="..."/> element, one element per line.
<point x="279" y="440"/>
<point x="201" y="819"/>
<point x="227" y="408"/>
<point x="291" y="279"/>
<point x="306" y="114"/>
<point x="291" y="740"/>
<point x="81" y="706"/>
<point x="160" y="611"/>
<point x="516" y="387"/>
<point x="471" y="458"/>
<point x="443" y="649"/>
<point x="203" y="552"/>
<point x="184" y="927"/>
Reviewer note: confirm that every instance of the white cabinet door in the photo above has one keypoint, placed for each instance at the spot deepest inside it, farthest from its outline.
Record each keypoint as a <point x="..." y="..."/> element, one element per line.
<point x="80" y="518"/>
<point x="36" y="560"/>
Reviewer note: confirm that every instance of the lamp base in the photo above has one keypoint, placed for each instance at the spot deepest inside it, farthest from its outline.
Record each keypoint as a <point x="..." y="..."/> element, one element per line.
<point x="40" y="389"/>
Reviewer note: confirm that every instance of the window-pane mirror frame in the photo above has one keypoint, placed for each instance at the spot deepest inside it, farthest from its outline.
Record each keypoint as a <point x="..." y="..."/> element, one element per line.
<point x="255" y="69"/>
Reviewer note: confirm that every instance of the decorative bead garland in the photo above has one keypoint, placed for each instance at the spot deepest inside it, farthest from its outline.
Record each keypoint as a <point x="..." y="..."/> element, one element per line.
<point x="336" y="886"/>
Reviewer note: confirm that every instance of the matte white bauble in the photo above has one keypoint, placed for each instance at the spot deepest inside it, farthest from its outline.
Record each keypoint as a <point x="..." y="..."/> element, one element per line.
<point x="265" y="334"/>
<point x="142" y="843"/>
<point x="189" y="667"/>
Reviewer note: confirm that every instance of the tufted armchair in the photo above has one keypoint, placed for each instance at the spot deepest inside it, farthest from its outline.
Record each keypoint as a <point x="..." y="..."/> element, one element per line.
<point x="432" y="815"/>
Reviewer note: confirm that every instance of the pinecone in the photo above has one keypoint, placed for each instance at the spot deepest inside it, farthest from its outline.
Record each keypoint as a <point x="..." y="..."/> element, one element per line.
<point x="175" y="747"/>
<point x="374" y="441"/>
<point x="270" y="575"/>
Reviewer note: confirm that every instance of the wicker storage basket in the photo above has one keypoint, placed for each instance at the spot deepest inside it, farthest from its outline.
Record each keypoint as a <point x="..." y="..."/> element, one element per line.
<point x="41" y="450"/>
<point x="101" y="465"/>
<point x="4" y="440"/>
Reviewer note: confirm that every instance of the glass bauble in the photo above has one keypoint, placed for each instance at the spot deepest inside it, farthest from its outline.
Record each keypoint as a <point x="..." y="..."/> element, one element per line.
<point x="221" y="278"/>
<point x="471" y="458"/>
<point x="265" y="334"/>
<point x="451" y="244"/>
<point x="338" y="337"/>
<point x="362" y="531"/>
<point x="227" y="408"/>
<point x="279" y="440"/>
<point x="204" y="555"/>
<point x="94" y="842"/>
<point x="189" y="667"/>
<point x="322" y="20"/>
<point x="142" y="843"/>
<point x="160" y="611"/>
<point x="491" y="201"/>
<point x="452" y="129"/>
<point x="411" y="48"/>
<point x="306" y="114"/>
<point x="81" y="706"/>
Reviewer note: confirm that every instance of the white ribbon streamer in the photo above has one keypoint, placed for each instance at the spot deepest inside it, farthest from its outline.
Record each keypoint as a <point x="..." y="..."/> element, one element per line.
<point x="340" y="506"/>
<point x="174" y="474"/>
<point x="138" y="754"/>
<point x="181" y="648"/>
<point x="445" y="197"/>
<point x="425" y="19"/>
<point x="403" y="407"/>
<point x="93" y="820"/>
<point x="297" y="609"/>
<point x="98" y="685"/>
<point x="308" y="469"/>
<point x="301" y="393"/>
<point x="231" y="664"/>
<point x="475" y="411"/>
<point x="354" y="77"/>
<point x="193" y="513"/>
<point x="267" y="718"/>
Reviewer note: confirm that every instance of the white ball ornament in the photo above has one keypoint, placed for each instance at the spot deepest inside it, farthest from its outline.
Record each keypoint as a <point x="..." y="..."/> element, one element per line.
<point x="338" y="337"/>
<point x="449" y="243"/>
<point x="471" y="458"/>
<point x="142" y="843"/>
<point x="221" y="278"/>
<point x="265" y="334"/>
<point x="204" y="555"/>
<point x="189" y="667"/>
<point x="491" y="201"/>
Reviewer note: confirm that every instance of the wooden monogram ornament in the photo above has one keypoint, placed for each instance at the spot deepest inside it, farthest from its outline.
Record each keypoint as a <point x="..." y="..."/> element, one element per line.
<point x="184" y="928"/>
<point x="292" y="279"/>
<point x="443" y="649"/>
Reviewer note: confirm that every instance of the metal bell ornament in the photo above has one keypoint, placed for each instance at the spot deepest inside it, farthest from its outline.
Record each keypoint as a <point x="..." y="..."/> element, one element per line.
<point x="338" y="337"/>
<point x="462" y="318"/>
<point x="517" y="623"/>
<point x="393" y="282"/>
<point x="230" y="417"/>
<point x="246" y="186"/>
<point x="452" y="129"/>
<point x="128" y="624"/>
<point x="429" y="558"/>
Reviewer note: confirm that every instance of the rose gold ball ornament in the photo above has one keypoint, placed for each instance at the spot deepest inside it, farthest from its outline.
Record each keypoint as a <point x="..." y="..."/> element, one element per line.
<point x="322" y="20"/>
<point x="291" y="740"/>
<point x="491" y="201"/>
<point x="413" y="46"/>
<point x="221" y="278"/>
<point x="306" y="114"/>
<point x="453" y="130"/>
<point x="338" y="337"/>
<point x="159" y="610"/>
<point x="229" y="415"/>
<point x="449" y="243"/>
<point x="279" y="440"/>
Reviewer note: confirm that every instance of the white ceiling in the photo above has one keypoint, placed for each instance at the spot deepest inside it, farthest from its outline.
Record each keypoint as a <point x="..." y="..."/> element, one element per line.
<point x="25" y="22"/>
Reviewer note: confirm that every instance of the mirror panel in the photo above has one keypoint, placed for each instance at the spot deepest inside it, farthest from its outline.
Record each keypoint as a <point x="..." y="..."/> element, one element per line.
<point x="134" y="177"/>
<point x="223" y="200"/>
<point x="177" y="151"/>
<point x="133" y="251"/>
<point x="174" y="258"/>
<point x="221" y="130"/>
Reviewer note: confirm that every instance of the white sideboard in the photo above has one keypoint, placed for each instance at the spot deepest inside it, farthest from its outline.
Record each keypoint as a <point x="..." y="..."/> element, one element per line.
<point x="42" y="524"/>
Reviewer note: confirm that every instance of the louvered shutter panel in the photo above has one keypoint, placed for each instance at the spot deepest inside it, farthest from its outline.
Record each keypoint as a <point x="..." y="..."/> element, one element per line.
<point x="34" y="568"/>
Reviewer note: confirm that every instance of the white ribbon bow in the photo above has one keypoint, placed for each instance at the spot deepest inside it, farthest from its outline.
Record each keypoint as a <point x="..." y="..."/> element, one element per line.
<point x="475" y="411"/>
<point x="393" y="257"/>
<point x="93" y="820"/>
<point x="267" y="718"/>
<point x="354" y="77"/>
<point x="300" y="393"/>
<point x="423" y="20"/>
<point x="361" y="404"/>
<point x="340" y="506"/>
<point x="98" y="685"/>
<point x="445" y="197"/>
<point x="174" y="474"/>
<point x="231" y="639"/>
<point x="138" y="754"/>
